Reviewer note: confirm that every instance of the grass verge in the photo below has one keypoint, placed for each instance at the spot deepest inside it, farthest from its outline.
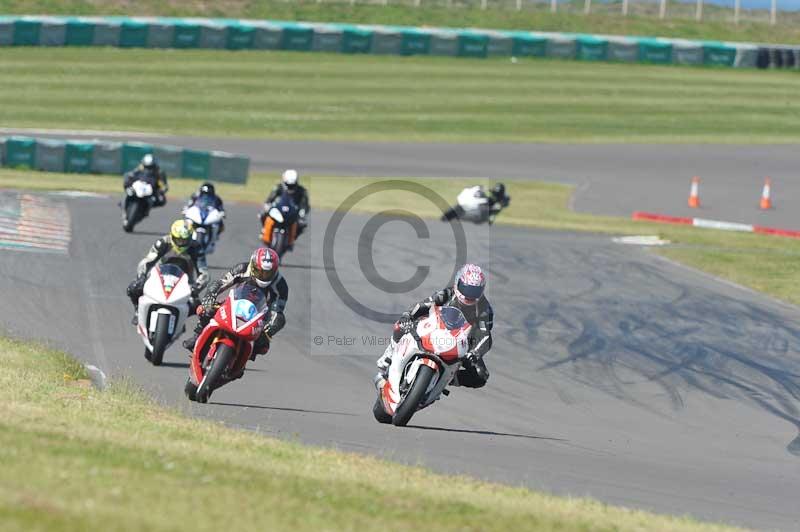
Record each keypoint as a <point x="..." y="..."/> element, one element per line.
<point x="765" y="263"/>
<point x="606" y="19"/>
<point x="293" y="95"/>
<point x="78" y="459"/>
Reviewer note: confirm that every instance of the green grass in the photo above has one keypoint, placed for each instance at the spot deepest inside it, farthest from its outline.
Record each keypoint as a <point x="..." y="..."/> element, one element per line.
<point x="77" y="459"/>
<point x="606" y="19"/>
<point x="322" y="96"/>
<point x="765" y="263"/>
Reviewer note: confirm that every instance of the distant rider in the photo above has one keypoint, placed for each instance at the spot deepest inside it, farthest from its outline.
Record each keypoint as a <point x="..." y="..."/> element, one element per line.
<point x="466" y="294"/>
<point x="177" y="244"/>
<point x="297" y="192"/>
<point x="207" y="191"/>
<point x="477" y="206"/>
<point x="149" y="171"/>
<point x="261" y="270"/>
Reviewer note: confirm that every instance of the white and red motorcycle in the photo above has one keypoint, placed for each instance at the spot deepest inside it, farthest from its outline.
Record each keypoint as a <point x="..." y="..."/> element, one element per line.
<point x="163" y="309"/>
<point x="424" y="362"/>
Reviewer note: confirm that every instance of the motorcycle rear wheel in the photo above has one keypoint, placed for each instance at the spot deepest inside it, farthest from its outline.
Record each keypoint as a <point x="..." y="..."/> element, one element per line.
<point x="131" y="216"/>
<point x="414" y="397"/>
<point x="222" y="358"/>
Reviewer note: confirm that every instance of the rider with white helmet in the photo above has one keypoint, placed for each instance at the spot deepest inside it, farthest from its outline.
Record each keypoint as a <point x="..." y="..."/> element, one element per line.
<point x="466" y="294"/>
<point x="149" y="171"/>
<point x="262" y="271"/>
<point x="290" y="184"/>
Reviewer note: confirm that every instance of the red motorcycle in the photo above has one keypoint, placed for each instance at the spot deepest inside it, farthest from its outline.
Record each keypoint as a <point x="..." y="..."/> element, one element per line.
<point x="226" y="343"/>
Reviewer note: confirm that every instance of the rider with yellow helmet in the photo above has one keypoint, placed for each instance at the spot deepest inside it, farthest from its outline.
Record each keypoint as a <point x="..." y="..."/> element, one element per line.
<point x="178" y="244"/>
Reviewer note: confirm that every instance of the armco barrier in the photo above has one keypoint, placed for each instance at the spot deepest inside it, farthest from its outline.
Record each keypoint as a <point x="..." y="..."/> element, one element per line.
<point x="235" y="34"/>
<point x="103" y="157"/>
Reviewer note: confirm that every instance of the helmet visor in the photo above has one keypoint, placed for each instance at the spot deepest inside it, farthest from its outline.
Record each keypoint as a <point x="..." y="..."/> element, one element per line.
<point x="181" y="242"/>
<point x="469" y="292"/>
<point x="260" y="274"/>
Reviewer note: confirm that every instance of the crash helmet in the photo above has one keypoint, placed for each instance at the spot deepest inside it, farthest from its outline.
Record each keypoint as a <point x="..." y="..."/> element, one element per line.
<point x="263" y="267"/>
<point x="499" y="190"/>
<point x="289" y="178"/>
<point x="148" y="161"/>
<point x="207" y="188"/>
<point x="469" y="284"/>
<point x="181" y="235"/>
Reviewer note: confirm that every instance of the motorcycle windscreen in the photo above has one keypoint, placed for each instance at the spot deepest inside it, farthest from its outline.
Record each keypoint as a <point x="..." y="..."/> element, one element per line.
<point x="249" y="303"/>
<point x="287" y="207"/>
<point x="170" y="277"/>
<point x="452" y="318"/>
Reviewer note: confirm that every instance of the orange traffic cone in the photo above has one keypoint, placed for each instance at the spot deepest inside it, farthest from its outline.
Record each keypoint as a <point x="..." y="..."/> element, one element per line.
<point x="694" y="193"/>
<point x="766" y="202"/>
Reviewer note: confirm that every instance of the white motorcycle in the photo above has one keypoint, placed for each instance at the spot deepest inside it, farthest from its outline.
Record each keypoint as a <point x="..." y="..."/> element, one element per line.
<point x="424" y="362"/>
<point x="138" y="201"/>
<point x="163" y="309"/>
<point x="206" y="222"/>
<point x="472" y="205"/>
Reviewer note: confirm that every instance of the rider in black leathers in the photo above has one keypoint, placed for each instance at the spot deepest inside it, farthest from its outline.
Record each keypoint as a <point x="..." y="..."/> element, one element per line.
<point x="149" y="171"/>
<point x="178" y="243"/>
<point x="466" y="294"/>
<point x="298" y="194"/>
<point x="262" y="271"/>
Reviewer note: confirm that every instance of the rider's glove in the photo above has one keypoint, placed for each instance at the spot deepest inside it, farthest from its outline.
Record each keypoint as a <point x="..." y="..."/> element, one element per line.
<point x="196" y="289"/>
<point x="440" y="298"/>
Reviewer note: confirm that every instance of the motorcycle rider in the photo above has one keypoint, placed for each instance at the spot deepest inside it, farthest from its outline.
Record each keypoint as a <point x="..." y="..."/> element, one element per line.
<point x="149" y="171"/>
<point x="262" y="270"/>
<point x="475" y="198"/>
<point x="297" y="192"/>
<point x="466" y="294"/>
<point x="206" y="190"/>
<point x="178" y="243"/>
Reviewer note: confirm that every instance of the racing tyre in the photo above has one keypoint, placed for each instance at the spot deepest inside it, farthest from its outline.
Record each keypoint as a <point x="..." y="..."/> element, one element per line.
<point x="279" y="243"/>
<point x="222" y="358"/>
<point x="148" y="354"/>
<point x="131" y="216"/>
<point x="414" y="397"/>
<point x="190" y="390"/>
<point x="160" y="339"/>
<point x="380" y="414"/>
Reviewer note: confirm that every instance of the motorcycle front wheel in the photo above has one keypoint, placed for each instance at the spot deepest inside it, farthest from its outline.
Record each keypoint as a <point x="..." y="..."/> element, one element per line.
<point x="222" y="358"/>
<point x="414" y="397"/>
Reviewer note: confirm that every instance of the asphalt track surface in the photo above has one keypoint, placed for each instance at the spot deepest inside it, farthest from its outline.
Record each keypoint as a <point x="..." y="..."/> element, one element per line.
<point x="615" y="374"/>
<point x="612" y="179"/>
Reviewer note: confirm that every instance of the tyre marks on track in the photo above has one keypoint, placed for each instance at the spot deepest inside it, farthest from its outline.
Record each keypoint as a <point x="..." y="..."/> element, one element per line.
<point x="34" y="223"/>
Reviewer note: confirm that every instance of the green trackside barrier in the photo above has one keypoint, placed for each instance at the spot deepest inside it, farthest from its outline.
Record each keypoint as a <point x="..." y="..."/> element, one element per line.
<point x="6" y="31"/>
<point x="528" y="44"/>
<point x="170" y="159"/>
<point x="590" y="48"/>
<point x="472" y="44"/>
<point x="3" y="151"/>
<point x="500" y="43"/>
<point x="78" y="157"/>
<point x="444" y="42"/>
<point x="20" y="152"/>
<point x="79" y="32"/>
<point x="133" y="34"/>
<point x="687" y="52"/>
<point x="655" y="51"/>
<point x="297" y="37"/>
<point x="160" y="32"/>
<point x="53" y="31"/>
<point x="386" y="40"/>
<point x="186" y="34"/>
<point x="132" y="153"/>
<point x="107" y="157"/>
<point x="356" y="40"/>
<point x="50" y="155"/>
<point x="26" y="32"/>
<point x="241" y="36"/>
<point x="623" y="49"/>
<point x="106" y="31"/>
<point x="718" y="54"/>
<point x="414" y="42"/>
<point x="213" y="34"/>
<point x="196" y="164"/>
<point x="327" y="38"/>
<point x="561" y="46"/>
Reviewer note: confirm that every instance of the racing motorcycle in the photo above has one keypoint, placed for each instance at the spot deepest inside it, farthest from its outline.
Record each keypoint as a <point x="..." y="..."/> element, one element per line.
<point x="139" y="198"/>
<point x="206" y="222"/>
<point x="279" y="224"/>
<point x="472" y="205"/>
<point x="163" y="308"/>
<point x="226" y="343"/>
<point x="424" y="362"/>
